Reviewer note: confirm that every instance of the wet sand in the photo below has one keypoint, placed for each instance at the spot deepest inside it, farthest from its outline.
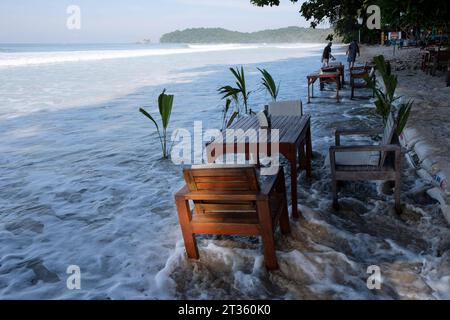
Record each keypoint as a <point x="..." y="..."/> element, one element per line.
<point x="426" y="136"/>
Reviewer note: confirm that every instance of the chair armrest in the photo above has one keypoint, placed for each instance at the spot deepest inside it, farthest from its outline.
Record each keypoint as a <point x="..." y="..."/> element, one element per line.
<point x="381" y="148"/>
<point x="353" y="132"/>
<point x="182" y="193"/>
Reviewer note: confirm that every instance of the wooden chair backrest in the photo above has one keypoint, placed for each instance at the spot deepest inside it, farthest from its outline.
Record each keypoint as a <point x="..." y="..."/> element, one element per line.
<point x="360" y="72"/>
<point x="388" y="136"/>
<point x="286" y="108"/>
<point x="224" y="180"/>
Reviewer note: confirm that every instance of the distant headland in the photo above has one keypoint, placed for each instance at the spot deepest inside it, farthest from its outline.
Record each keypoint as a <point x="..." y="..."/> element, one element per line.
<point x="220" y="35"/>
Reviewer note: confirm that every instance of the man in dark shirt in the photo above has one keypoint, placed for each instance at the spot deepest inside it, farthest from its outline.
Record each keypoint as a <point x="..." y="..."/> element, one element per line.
<point x="327" y="55"/>
<point x="352" y="51"/>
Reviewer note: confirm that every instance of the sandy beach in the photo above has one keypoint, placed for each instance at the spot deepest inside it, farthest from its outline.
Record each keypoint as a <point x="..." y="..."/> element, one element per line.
<point x="426" y="136"/>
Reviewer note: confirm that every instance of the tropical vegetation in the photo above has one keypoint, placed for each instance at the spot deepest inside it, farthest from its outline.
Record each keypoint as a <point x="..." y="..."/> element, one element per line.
<point x="269" y="84"/>
<point x="219" y="35"/>
<point x="386" y="97"/>
<point x="408" y="16"/>
<point x="239" y="92"/>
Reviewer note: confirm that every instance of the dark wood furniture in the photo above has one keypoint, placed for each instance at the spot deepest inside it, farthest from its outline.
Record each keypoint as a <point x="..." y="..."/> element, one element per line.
<point x="371" y="162"/>
<point x="294" y="138"/>
<point x="434" y="60"/>
<point x="231" y="201"/>
<point x="323" y="77"/>
<point x="358" y="78"/>
<point x="341" y="68"/>
<point x="448" y="74"/>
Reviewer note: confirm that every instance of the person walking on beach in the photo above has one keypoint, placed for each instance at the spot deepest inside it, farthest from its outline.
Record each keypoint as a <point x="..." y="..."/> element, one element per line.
<point x="353" y="50"/>
<point x="327" y="55"/>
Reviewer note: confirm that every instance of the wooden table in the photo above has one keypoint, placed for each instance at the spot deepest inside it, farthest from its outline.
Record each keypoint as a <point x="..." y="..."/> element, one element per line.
<point x="294" y="138"/>
<point x="324" y="77"/>
<point x="341" y="68"/>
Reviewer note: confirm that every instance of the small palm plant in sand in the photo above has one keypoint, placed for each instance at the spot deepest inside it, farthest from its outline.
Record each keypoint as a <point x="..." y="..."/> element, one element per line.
<point x="165" y="103"/>
<point x="386" y="95"/>
<point x="227" y="119"/>
<point x="269" y="84"/>
<point x="239" y="91"/>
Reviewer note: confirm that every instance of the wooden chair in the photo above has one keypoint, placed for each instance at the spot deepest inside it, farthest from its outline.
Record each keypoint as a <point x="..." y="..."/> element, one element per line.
<point x="358" y="78"/>
<point x="372" y="162"/>
<point x="230" y="200"/>
<point x="435" y="60"/>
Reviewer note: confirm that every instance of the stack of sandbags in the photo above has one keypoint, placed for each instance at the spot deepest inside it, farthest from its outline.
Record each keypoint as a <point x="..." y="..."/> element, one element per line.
<point x="433" y="165"/>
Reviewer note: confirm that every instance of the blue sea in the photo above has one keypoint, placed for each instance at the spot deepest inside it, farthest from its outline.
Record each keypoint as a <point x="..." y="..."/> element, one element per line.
<point x="83" y="183"/>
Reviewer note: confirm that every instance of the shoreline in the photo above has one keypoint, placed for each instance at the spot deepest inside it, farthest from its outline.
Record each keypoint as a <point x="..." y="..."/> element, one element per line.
<point x="426" y="134"/>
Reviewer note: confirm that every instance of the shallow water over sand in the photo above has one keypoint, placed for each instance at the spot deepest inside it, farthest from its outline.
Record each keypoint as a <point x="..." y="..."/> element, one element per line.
<point x="86" y="186"/>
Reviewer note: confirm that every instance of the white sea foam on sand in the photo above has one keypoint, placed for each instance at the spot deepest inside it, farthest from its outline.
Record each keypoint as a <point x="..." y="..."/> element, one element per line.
<point x="40" y="58"/>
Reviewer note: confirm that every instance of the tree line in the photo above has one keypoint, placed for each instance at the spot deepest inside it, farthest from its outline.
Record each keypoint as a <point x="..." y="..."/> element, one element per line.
<point x="409" y="16"/>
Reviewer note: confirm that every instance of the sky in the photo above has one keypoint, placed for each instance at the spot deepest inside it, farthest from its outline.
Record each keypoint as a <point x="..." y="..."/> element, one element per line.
<point x="114" y="21"/>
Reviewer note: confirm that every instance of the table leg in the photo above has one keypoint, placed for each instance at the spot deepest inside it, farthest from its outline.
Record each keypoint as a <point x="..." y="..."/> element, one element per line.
<point x="292" y="157"/>
<point x="309" y="153"/>
<point x="338" y="84"/>
<point x="302" y="156"/>
<point x="309" y="96"/>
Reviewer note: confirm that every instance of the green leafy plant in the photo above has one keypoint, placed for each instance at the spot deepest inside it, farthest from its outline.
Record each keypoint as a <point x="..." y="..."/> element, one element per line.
<point x="240" y="90"/>
<point x="386" y="95"/>
<point x="403" y="115"/>
<point x="269" y="84"/>
<point x="228" y="121"/>
<point x="165" y="104"/>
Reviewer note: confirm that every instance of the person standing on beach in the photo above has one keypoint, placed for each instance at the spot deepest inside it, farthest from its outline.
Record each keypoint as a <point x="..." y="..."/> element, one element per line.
<point x="327" y="55"/>
<point x="352" y="51"/>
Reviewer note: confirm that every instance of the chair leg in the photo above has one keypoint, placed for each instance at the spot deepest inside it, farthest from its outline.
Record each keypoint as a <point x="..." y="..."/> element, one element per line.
<point x="335" y="194"/>
<point x="184" y="215"/>
<point x="270" y="258"/>
<point x="284" y="221"/>
<point x="398" y="206"/>
<point x="302" y="157"/>
<point x="284" y="218"/>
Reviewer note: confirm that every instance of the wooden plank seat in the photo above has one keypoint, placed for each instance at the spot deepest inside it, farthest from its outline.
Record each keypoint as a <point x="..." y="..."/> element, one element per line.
<point x="232" y="200"/>
<point x="370" y="162"/>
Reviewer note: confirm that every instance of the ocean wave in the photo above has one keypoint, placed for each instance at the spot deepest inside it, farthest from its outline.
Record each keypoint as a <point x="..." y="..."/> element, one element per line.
<point x="40" y="58"/>
<point x="20" y="59"/>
